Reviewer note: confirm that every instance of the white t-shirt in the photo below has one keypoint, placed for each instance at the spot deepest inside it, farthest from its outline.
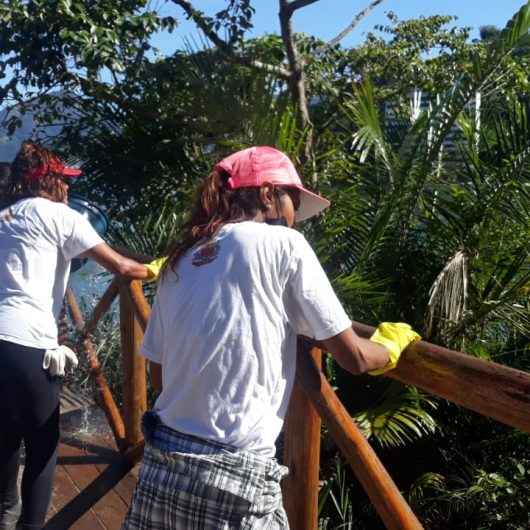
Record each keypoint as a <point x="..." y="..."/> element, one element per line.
<point x="225" y="332"/>
<point x="38" y="238"/>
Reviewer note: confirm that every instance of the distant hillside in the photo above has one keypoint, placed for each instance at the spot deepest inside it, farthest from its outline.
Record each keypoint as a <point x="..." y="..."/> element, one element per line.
<point x="9" y="145"/>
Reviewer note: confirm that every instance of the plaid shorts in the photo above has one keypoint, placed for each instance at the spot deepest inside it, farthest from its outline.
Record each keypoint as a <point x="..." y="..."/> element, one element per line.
<point x="187" y="483"/>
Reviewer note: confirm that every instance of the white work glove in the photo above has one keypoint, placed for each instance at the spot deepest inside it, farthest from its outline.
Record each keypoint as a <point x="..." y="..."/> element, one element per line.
<point x="55" y="360"/>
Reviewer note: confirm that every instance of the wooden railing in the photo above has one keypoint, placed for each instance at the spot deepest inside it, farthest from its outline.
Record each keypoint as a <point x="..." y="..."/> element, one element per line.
<point x="485" y="387"/>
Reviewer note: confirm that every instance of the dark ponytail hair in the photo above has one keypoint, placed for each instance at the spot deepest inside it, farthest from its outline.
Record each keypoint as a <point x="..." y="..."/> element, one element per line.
<point x="215" y="205"/>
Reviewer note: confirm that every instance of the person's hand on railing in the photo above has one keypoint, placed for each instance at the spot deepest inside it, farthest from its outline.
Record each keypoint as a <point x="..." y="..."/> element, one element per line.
<point x="395" y="337"/>
<point x="55" y="360"/>
<point x="155" y="267"/>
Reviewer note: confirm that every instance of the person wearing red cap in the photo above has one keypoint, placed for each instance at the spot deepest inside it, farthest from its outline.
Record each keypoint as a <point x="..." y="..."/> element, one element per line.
<point x="237" y="288"/>
<point x="39" y="236"/>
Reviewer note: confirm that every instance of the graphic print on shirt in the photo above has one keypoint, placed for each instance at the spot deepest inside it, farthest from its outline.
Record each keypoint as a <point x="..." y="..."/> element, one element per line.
<point x="205" y="254"/>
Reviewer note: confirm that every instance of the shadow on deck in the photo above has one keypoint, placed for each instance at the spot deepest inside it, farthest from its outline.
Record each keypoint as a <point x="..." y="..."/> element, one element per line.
<point x="93" y="483"/>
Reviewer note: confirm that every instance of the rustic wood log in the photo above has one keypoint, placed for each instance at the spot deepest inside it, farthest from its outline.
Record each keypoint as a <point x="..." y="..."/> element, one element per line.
<point x="302" y="454"/>
<point x="134" y="373"/>
<point x="102" y="306"/>
<point x="103" y="394"/>
<point x="141" y="306"/>
<point x="143" y="312"/>
<point x="384" y="494"/>
<point x="491" y="389"/>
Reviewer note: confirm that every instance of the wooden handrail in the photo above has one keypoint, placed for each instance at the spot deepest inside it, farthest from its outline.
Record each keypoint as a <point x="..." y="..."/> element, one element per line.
<point x="488" y="388"/>
<point x="491" y="389"/>
<point x="104" y="395"/>
<point x="381" y="489"/>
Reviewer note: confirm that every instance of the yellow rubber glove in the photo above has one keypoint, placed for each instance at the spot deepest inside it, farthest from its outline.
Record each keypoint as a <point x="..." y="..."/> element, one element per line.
<point x="155" y="267"/>
<point x="395" y="337"/>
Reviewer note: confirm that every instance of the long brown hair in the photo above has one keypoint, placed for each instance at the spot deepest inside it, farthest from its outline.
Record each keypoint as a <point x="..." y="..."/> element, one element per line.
<point x="215" y="205"/>
<point x="30" y="158"/>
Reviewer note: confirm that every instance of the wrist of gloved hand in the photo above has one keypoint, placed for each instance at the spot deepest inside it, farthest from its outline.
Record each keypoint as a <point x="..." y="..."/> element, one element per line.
<point x="154" y="268"/>
<point x="55" y="360"/>
<point x="395" y="337"/>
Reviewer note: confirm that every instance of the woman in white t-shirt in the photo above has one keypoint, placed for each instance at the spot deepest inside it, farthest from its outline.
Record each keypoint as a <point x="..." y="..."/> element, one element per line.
<point x="238" y="287"/>
<point x="39" y="236"/>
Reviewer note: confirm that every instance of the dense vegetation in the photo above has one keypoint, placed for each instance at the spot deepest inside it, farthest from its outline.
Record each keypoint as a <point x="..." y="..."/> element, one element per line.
<point x="421" y="138"/>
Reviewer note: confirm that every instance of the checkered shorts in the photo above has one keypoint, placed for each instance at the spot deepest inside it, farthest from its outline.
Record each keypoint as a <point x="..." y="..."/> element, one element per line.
<point x="187" y="483"/>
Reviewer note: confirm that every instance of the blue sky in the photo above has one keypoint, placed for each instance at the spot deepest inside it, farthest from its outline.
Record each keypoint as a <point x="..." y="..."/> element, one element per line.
<point x="327" y="17"/>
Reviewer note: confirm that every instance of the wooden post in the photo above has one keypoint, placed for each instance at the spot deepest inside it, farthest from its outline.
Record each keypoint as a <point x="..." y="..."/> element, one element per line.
<point x="140" y="304"/>
<point x="134" y="376"/>
<point x="103" y="394"/>
<point x="381" y="489"/>
<point x="302" y="454"/>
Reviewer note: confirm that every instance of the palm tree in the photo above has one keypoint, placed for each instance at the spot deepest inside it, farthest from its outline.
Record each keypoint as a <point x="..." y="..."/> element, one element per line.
<point x="415" y="199"/>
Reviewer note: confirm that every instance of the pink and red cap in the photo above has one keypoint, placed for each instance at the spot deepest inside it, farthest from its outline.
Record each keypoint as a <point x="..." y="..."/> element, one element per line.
<point x="255" y="166"/>
<point x="53" y="165"/>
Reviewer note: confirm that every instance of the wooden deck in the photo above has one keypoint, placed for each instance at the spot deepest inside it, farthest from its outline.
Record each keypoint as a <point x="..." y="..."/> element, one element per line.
<point x="88" y="465"/>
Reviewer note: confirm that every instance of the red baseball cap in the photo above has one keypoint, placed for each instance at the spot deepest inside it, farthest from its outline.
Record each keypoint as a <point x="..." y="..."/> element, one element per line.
<point x="255" y="166"/>
<point x="54" y="165"/>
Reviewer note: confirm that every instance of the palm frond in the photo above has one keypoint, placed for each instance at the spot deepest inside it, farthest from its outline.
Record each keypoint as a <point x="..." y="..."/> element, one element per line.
<point x="503" y="295"/>
<point x="448" y="295"/>
<point x="515" y="33"/>
<point x="152" y="233"/>
<point x="424" y="485"/>
<point x="369" y="135"/>
<point x="400" y="417"/>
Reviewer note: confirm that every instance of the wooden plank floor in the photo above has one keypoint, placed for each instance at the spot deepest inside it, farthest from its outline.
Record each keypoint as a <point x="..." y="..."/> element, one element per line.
<point x="81" y="462"/>
<point x="88" y="458"/>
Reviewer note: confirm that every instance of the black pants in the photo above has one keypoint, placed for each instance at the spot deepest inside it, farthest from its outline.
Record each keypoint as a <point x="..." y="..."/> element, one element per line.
<point x="29" y="411"/>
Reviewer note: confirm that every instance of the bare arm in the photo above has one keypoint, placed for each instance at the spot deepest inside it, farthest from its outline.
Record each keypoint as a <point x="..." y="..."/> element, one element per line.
<point x="141" y="258"/>
<point x="355" y="354"/>
<point x="155" y="372"/>
<point x="116" y="263"/>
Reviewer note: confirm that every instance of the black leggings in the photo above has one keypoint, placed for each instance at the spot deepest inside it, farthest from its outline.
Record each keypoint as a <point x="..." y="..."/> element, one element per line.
<point x="29" y="411"/>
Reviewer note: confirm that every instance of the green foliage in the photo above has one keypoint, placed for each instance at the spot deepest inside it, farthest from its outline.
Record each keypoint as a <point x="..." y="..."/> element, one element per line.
<point x="235" y="20"/>
<point x="54" y="43"/>
<point x="475" y="498"/>
<point x="400" y="417"/>
<point x="337" y="490"/>
<point x="421" y="187"/>
<point x="408" y="42"/>
<point x="150" y="234"/>
<point x="339" y="507"/>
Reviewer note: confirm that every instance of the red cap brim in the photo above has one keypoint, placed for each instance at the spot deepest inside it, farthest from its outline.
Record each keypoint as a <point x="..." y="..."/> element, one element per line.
<point x="71" y="172"/>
